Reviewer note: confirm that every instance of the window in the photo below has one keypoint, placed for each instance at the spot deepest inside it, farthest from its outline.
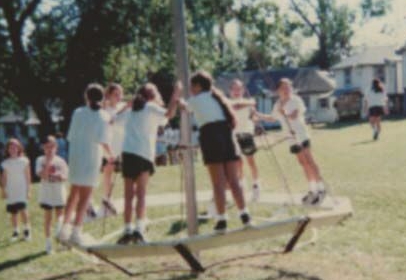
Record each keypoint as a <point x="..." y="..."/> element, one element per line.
<point x="323" y="103"/>
<point x="347" y="77"/>
<point x="379" y="72"/>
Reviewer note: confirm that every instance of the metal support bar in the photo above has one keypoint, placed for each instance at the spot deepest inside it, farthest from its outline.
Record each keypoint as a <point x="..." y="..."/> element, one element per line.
<point x="189" y="258"/>
<point x="297" y="234"/>
<point x="113" y="264"/>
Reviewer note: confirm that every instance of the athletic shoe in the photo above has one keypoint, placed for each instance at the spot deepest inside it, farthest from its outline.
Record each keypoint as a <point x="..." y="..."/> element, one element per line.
<point x="125" y="239"/>
<point x="376" y="135"/>
<point x="27" y="235"/>
<point x="14" y="236"/>
<point x="245" y="219"/>
<point x="319" y="198"/>
<point x="137" y="237"/>
<point x="76" y="239"/>
<point x="256" y="189"/>
<point x="63" y="235"/>
<point x="91" y="213"/>
<point x="48" y="247"/>
<point x="221" y="226"/>
<point x="212" y="210"/>
<point x="309" y="198"/>
<point x="109" y="207"/>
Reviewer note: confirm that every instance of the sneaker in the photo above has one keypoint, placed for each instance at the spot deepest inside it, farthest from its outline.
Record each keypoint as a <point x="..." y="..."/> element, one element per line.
<point x="212" y="210"/>
<point x="256" y="189"/>
<point x="309" y="198"/>
<point x="63" y="235"/>
<point x="27" y="235"/>
<point x="48" y="247"/>
<point x="125" y="239"/>
<point x="221" y="226"/>
<point x="245" y="219"/>
<point x="137" y="237"/>
<point x="319" y="198"/>
<point x="76" y="239"/>
<point x="14" y="236"/>
<point x="91" y="212"/>
<point x="109" y="207"/>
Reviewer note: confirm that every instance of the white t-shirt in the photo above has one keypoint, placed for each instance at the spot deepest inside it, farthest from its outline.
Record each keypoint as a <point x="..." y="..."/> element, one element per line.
<point x="206" y="109"/>
<point x="141" y="130"/>
<point x="16" y="184"/>
<point x="244" y="121"/>
<point x="117" y="129"/>
<point x="52" y="191"/>
<point x="88" y="129"/>
<point x="298" y="125"/>
<point x="375" y="99"/>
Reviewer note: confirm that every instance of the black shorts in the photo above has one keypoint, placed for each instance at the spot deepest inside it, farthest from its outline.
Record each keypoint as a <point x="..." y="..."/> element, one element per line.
<point x="217" y="143"/>
<point x="295" y="149"/>
<point x="16" y="207"/>
<point x="50" y="207"/>
<point x="133" y="165"/>
<point x="376" y="111"/>
<point x="117" y="164"/>
<point x="247" y="143"/>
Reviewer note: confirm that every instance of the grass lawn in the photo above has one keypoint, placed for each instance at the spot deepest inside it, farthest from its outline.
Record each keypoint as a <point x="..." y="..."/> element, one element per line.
<point x="370" y="245"/>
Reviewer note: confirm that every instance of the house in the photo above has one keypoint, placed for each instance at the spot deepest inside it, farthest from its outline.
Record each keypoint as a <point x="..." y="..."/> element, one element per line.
<point x="402" y="52"/>
<point x="314" y="86"/>
<point x="358" y="71"/>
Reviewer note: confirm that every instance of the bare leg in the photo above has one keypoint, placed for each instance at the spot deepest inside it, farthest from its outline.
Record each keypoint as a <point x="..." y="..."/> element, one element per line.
<point x="140" y="192"/>
<point x="85" y="193"/>
<point x="303" y="162"/>
<point x="71" y="204"/>
<point x="108" y="170"/>
<point x="231" y="168"/>
<point x="378" y="124"/>
<point x="240" y="170"/>
<point x="128" y="199"/>
<point x="253" y="166"/>
<point x="219" y="181"/>
<point x="14" y="221"/>
<point x="47" y="223"/>
<point x="312" y="164"/>
<point x="24" y="217"/>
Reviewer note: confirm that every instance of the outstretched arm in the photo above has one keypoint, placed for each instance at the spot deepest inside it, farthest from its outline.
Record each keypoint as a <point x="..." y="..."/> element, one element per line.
<point x="264" y="117"/>
<point x="173" y="104"/>
<point x="237" y="105"/>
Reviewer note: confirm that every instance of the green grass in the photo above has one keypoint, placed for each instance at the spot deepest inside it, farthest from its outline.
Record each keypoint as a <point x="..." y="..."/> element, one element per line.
<point x="370" y="245"/>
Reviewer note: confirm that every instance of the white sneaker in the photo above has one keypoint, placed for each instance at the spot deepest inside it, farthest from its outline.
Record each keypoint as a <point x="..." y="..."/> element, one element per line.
<point x="76" y="239"/>
<point x="63" y="234"/>
<point x="14" y="236"/>
<point x="48" y="246"/>
<point x="256" y="190"/>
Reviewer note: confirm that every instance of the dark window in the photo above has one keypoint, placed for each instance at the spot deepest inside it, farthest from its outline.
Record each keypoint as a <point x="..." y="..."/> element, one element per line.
<point x="347" y="76"/>
<point x="323" y="103"/>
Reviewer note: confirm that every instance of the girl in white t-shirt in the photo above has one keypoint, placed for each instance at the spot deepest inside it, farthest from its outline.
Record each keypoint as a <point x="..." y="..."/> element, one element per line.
<point x="289" y="110"/>
<point x="220" y="150"/>
<point x="244" y="130"/>
<point x="88" y="136"/>
<point x="53" y="172"/>
<point x="376" y="104"/>
<point x="139" y="148"/>
<point x="16" y="180"/>
<point x="113" y="103"/>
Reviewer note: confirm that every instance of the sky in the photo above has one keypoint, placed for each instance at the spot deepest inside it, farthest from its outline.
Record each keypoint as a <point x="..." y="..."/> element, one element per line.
<point x="387" y="30"/>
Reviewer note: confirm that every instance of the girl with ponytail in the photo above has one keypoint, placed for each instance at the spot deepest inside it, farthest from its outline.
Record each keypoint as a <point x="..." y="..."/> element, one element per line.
<point x="88" y="136"/>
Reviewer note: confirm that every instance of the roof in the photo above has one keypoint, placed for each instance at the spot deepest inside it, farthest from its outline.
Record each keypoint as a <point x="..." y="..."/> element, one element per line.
<point x="369" y="56"/>
<point x="401" y="50"/>
<point x="305" y="80"/>
<point x="11" y="117"/>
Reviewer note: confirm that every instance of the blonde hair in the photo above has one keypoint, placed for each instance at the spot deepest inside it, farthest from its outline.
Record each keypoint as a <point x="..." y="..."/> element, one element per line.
<point x="13" y="141"/>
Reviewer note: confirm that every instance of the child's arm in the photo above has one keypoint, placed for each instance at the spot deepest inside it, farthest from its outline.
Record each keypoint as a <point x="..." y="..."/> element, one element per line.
<point x="243" y="103"/>
<point x="28" y="179"/>
<point x="293" y="115"/>
<point x="3" y="184"/>
<point x="264" y="117"/>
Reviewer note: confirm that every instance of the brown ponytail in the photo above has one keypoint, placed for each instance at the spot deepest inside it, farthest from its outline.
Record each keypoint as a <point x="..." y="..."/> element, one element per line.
<point x="94" y="94"/>
<point x="205" y="81"/>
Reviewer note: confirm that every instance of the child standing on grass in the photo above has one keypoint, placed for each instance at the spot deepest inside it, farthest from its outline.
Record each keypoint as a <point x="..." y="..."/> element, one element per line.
<point x="141" y="129"/>
<point x="245" y="133"/>
<point x="88" y="136"/>
<point x="289" y="110"/>
<point x="218" y="144"/>
<point x="16" y="180"/>
<point x="53" y="172"/>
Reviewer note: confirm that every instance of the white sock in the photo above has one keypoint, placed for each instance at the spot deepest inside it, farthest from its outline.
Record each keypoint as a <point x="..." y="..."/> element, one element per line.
<point x="243" y="182"/>
<point x="48" y="240"/>
<point x="313" y="186"/>
<point x="27" y="227"/>
<point x="256" y="183"/>
<point x="140" y="225"/>
<point x="128" y="228"/>
<point x="221" y="217"/>
<point x="76" y="230"/>
<point x="320" y="186"/>
<point x="244" y="211"/>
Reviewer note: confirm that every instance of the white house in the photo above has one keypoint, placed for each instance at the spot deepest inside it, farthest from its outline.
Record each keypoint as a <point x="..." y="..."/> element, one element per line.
<point x="402" y="51"/>
<point x="358" y="70"/>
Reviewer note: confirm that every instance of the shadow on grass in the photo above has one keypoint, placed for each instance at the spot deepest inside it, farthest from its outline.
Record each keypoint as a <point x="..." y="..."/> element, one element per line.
<point x="365" y="142"/>
<point x="338" y="125"/>
<point x="71" y="274"/>
<point x="12" y="263"/>
<point x="180" y="225"/>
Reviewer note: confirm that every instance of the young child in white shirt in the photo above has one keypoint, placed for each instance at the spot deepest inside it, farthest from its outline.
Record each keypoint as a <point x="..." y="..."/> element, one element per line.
<point x="139" y="150"/>
<point x="16" y="180"/>
<point x="289" y="110"/>
<point x="53" y="171"/>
